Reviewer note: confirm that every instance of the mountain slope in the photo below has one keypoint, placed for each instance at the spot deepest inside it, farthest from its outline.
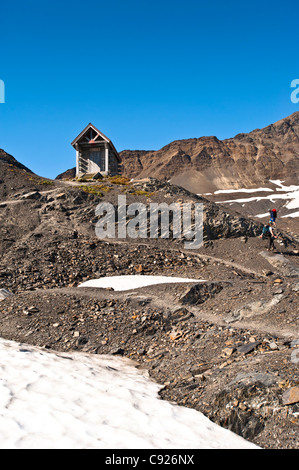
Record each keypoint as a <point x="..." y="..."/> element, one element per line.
<point x="11" y="161"/>
<point x="206" y="164"/>
<point x="223" y="346"/>
<point x="17" y="178"/>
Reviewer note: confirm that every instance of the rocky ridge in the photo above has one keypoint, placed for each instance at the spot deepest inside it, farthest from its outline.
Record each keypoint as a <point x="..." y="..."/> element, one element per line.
<point x="206" y="164"/>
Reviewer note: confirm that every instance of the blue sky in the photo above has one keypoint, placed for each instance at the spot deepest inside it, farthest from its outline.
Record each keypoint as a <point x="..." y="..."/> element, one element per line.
<point x="144" y="72"/>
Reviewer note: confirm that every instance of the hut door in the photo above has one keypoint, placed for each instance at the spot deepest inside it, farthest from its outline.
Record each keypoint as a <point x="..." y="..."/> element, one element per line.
<point x="94" y="162"/>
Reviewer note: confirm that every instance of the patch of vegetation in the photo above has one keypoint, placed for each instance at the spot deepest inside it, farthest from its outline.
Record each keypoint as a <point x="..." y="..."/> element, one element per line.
<point x="46" y="182"/>
<point x="140" y="192"/>
<point x="96" y="189"/>
<point x="104" y="188"/>
<point x="118" y="179"/>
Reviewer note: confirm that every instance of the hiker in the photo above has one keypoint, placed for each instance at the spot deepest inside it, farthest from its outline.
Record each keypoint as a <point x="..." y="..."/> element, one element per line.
<point x="268" y="234"/>
<point x="273" y="215"/>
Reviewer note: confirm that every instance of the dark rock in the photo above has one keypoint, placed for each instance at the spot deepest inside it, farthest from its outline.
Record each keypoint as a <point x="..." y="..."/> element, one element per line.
<point x="199" y="293"/>
<point x="117" y="351"/>
<point x="249" y="347"/>
<point x="68" y="174"/>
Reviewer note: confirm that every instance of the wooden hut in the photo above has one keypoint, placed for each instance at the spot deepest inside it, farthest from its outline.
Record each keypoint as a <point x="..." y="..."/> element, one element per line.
<point x="95" y="153"/>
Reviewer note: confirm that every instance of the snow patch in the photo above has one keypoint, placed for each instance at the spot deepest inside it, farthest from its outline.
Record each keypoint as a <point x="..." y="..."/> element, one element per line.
<point x="294" y="214"/>
<point x="54" y="400"/>
<point x="266" y="214"/>
<point x="242" y="190"/>
<point x="291" y="195"/>
<point x="121" y="283"/>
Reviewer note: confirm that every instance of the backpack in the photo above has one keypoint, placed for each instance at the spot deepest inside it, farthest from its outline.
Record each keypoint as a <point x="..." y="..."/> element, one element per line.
<point x="266" y="230"/>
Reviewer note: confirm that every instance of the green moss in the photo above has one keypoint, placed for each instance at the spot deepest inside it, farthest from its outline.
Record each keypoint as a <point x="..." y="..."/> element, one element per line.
<point x="119" y="180"/>
<point x="46" y="182"/>
<point x="140" y="192"/>
<point x="92" y="190"/>
<point x="40" y="181"/>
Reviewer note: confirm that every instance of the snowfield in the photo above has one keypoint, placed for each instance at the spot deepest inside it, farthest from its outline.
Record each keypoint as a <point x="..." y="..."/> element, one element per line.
<point x="291" y="196"/>
<point x="56" y="400"/>
<point x="242" y="190"/>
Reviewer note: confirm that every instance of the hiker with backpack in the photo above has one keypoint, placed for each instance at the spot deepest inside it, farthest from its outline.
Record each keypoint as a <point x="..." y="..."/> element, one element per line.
<point x="268" y="234"/>
<point x="273" y="215"/>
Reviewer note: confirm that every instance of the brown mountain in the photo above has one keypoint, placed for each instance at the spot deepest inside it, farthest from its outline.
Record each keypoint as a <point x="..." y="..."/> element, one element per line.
<point x="206" y="164"/>
<point x="68" y="174"/>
